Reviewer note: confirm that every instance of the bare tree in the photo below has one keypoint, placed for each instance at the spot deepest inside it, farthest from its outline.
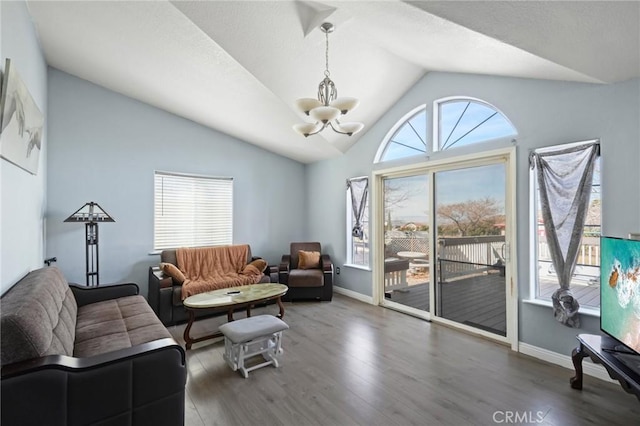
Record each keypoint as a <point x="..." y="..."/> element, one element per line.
<point x="395" y="194"/>
<point x="472" y="217"/>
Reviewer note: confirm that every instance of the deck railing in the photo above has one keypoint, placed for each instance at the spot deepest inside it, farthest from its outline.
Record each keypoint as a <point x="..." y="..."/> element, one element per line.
<point x="463" y="256"/>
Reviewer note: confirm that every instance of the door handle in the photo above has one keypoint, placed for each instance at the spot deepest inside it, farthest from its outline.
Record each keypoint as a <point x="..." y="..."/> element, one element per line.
<point x="504" y="250"/>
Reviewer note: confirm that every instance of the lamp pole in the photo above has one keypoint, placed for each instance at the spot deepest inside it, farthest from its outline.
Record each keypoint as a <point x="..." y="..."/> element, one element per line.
<point x="91" y="214"/>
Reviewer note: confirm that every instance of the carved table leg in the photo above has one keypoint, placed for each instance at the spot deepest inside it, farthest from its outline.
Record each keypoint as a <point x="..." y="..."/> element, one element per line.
<point x="281" y="306"/>
<point x="187" y="339"/>
<point x="577" y="355"/>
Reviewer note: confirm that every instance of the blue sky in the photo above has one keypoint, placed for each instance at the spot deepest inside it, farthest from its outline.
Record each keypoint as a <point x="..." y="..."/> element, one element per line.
<point x="452" y="186"/>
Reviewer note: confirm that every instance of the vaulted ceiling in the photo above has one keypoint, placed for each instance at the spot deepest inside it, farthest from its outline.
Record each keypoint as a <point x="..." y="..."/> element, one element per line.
<point x="238" y="66"/>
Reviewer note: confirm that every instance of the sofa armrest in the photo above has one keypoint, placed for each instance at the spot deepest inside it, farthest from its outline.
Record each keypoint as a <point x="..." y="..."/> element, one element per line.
<point x="161" y="294"/>
<point x="326" y="264"/>
<point x="283" y="269"/>
<point x="119" y="387"/>
<point x="87" y="295"/>
<point x="274" y="273"/>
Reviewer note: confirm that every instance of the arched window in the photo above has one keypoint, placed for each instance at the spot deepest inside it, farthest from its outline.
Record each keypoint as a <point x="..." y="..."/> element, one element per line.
<point x="407" y="138"/>
<point x="457" y="122"/>
<point x="467" y="121"/>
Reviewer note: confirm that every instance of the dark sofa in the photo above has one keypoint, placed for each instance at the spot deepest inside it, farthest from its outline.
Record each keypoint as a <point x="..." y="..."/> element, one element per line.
<point x="165" y="293"/>
<point x="77" y="356"/>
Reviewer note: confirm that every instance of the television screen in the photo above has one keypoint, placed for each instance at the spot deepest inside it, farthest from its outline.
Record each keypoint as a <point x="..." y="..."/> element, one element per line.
<point x="620" y="290"/>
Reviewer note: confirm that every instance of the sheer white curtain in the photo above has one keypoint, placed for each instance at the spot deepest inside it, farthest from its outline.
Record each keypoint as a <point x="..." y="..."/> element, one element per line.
<point x="564" y="179"/>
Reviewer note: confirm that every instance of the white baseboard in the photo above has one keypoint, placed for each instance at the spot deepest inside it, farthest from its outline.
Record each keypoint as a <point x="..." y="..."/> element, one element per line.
<point x="353" y="294"/>
<point x="588" y="367"/>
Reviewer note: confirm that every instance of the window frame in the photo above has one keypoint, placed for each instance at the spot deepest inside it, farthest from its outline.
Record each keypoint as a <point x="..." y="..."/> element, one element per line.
<point x="221" y="189"/>
<point x="382" y="148"/>
<point x="366" y="264"/>
<point x="436" y="124"/>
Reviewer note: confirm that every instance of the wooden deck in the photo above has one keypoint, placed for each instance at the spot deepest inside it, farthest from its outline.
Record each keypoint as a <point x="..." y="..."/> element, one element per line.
<point x="587" y="295"/>
<point x="479" y="301"/>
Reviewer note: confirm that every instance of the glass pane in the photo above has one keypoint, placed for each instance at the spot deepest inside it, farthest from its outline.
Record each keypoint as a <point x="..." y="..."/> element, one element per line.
<point x="409" y="140"/>
<point x="406" y="230"/>
<point x="465" y="123"/>
<point x="470" y="267"/>
<point x="359" y="245"/>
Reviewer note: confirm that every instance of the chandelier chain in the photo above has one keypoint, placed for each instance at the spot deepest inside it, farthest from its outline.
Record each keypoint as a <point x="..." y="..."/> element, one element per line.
<point x="326" y="56"/>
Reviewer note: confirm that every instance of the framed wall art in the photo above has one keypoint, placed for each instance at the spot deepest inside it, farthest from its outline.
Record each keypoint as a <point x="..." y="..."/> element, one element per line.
<point x="21" y="122"/>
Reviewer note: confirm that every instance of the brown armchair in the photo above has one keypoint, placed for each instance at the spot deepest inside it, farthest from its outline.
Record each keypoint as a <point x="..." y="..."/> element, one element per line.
<point x="315" y="281"/>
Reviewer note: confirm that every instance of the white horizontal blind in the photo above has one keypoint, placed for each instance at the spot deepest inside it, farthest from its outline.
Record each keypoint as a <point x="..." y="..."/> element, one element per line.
<point x="192" y="211"/>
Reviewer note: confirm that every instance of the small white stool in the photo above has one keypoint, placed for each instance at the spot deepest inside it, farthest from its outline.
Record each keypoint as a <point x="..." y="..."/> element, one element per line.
<point x="248" y="337"/>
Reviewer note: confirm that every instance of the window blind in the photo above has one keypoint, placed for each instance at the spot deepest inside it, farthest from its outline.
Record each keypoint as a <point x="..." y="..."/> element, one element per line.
<point x="192" y="211"/>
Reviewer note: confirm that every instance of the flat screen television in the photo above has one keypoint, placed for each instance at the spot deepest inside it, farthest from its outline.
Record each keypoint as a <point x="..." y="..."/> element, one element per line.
<point x="620" y="292"/>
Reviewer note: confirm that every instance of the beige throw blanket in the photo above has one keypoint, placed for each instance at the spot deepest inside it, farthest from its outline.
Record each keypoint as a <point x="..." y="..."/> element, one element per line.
<point x="212" y="268"/>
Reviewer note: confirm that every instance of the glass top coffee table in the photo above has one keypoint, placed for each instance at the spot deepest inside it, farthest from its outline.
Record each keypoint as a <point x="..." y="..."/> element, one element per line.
<point x="231" y="299"/>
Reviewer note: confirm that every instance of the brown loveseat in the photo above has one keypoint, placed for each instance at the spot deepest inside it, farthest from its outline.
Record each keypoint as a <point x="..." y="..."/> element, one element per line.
<point x="73" y="355"/>
<point x="166" y="292"/>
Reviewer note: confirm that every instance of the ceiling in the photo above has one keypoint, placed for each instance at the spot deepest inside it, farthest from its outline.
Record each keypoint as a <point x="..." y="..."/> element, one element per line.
<point x="238" y="66"/>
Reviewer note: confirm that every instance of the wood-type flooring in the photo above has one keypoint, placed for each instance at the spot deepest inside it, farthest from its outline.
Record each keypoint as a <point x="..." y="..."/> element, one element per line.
<point x="346" y="362"/>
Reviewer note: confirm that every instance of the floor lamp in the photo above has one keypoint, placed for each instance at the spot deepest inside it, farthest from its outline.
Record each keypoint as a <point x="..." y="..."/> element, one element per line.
<point x="91" y="214"/>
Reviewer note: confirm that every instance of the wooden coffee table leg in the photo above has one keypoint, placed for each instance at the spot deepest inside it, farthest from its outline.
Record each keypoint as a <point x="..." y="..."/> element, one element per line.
<point x="230" y="315"/>
<point x="187" y="338"/>
<point x="281" y="306"/>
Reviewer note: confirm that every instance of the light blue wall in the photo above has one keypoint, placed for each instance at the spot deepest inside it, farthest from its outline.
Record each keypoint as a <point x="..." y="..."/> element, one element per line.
<point x="104" y="147"/>
<point x="22" y="194"/>
<point x="545" y="113"/>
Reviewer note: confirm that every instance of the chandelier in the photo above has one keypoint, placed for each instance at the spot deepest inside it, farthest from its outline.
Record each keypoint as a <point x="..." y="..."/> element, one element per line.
<point x="326" y="109"/>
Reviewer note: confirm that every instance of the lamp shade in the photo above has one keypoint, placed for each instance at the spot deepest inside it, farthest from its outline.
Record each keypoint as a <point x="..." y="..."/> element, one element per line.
<point x="324" y="114"/>
<point x="350" y="128"/>
<point x="90" y="212"/>
<point x="305" y="129"/>
<point x="345" y="104"/>
<point x="307" y="104"/>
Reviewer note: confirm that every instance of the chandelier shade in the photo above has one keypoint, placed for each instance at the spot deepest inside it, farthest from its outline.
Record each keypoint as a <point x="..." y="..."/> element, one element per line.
<point x="324" y="114"/>
<point x="307" y="104"/>
<point x="326" y="109"/>
<point x="307" y="129"/>
<point x="345" y="104"/>
<point x="350" y="128"/>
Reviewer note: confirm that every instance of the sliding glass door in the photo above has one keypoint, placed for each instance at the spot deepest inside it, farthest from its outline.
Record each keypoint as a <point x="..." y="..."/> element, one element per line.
<point x="406" y="241"/>
<point x="444" y="242"/>
<point x="471" y="247"/>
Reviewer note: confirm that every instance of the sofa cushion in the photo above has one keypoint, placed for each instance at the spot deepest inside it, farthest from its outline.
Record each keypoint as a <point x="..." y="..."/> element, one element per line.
<point x="169" y="256"/>
<point x="116" y="324"/>
<point x="255" y="268"/>
<point x="260" y="264"/>
<point x="38" y="317"/>
<point x="306" y="278"/>
<point x="172" y="270"/>
<point x="308" y="259"/>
